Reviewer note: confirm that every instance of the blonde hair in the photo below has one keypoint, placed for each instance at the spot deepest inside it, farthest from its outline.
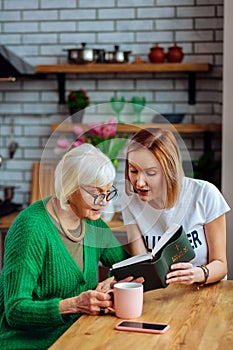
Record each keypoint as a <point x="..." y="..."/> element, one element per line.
<point x="163" y="145"/>
<point x="84" y="165"/>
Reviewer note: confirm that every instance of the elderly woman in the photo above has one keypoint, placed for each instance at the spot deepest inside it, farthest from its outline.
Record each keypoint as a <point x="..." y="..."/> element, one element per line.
<point x="52" y="251"/>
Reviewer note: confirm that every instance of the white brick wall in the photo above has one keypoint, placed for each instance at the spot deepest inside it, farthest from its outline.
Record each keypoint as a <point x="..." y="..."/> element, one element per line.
<point x="39" y="30"/>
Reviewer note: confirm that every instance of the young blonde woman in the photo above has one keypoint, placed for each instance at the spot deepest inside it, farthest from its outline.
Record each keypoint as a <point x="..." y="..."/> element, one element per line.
<point x="158" y="194"/>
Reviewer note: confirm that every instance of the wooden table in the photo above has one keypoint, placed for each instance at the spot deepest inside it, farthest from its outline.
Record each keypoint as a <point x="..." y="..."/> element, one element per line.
<point x="199" y="320"/>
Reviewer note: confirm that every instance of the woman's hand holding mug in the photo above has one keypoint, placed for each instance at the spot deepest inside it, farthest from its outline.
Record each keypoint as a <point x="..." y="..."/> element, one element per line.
<point x="127" y="299"/>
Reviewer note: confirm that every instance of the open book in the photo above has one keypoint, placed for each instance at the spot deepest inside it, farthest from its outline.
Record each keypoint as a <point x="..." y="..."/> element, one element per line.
<point x="173" y="246"/>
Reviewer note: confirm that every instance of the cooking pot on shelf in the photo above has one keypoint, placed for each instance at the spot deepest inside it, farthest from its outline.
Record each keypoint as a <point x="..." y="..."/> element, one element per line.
<point x="175" y="54"/>
<point x="81" y="55"/>
<point x="117" y="56"/>
<point x="156" y="54"/>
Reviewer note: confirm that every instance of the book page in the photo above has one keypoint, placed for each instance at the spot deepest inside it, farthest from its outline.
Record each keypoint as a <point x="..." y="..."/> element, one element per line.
<point x="148" y="257"/>
<point x="135" y="259"/>
<point x="165" y="237"/>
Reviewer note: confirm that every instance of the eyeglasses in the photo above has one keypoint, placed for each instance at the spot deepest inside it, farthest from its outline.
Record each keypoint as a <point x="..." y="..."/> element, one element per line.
<point x="98" y="198"/>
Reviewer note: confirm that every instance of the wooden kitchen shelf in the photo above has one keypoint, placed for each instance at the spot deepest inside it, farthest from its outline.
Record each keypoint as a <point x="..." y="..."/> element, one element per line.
<point x="93" y="68"/>
<point x="206" y="129"/>
<point x="132" y="128"/>
<point x="123" y="68"/>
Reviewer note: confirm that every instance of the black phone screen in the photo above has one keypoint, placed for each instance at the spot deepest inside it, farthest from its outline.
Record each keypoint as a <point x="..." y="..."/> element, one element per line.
<point x="143" y="325"/>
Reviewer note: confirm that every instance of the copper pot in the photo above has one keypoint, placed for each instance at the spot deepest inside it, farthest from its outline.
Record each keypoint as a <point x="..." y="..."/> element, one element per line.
<point x="157" y="54"/>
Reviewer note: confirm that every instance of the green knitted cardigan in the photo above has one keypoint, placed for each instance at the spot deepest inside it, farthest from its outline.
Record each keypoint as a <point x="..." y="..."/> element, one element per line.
<point x="39" y="271"/>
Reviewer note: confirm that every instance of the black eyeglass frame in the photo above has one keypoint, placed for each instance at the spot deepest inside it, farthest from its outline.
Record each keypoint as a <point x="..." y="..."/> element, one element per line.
<point x="109" y="196"/>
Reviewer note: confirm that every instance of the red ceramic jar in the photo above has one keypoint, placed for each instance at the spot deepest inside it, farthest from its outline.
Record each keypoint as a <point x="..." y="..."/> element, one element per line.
<point x="157" y="54"/>
<point x="175" y="54"/>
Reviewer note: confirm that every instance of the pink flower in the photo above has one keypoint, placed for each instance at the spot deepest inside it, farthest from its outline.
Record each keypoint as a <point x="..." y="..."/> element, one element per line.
<point x="63" y="143"/>
<point x="96" y="128"/>
<point x="78" y="130"/>
<point x="113" y="121"/>
<point x="108" y="131"/>
<point x="97" y="134"/>
<point x="104" y="129"/>
<point x="78" y="142"/>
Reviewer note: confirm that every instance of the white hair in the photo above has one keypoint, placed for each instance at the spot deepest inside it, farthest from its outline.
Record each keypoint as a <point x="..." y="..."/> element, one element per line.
<point x="84" y="165"/>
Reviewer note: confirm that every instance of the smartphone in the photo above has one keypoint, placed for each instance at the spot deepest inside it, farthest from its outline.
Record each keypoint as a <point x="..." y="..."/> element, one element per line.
<point x="143" y="327"/>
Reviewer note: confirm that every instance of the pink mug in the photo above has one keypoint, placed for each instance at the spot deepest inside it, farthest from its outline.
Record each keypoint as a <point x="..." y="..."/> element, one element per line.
<point x="128" y="299"/>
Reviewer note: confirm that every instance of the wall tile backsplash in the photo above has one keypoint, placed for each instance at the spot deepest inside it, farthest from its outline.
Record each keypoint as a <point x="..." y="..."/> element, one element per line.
<point x="38" y="31"/>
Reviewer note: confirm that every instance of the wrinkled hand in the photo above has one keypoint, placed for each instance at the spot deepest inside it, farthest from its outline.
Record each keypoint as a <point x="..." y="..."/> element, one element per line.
<point x="105" y="285"/>
<point x="181" y="273"/>
<point x="91" y="301"/>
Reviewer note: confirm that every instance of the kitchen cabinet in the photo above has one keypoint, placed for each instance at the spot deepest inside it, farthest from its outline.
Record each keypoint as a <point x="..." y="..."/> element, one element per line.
<point x="127" y="68"/>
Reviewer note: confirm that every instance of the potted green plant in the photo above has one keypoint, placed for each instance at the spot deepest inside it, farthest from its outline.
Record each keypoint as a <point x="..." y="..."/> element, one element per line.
<point x="77" y="100"/>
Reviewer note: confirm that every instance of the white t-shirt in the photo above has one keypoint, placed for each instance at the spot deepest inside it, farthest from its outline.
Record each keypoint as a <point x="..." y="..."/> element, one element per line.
<point x="199" y="203"/>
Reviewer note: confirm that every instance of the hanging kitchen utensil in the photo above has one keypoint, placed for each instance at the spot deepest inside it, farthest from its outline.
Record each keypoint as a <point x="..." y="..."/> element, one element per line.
<point x="12" y="148"/>
<point x="13" y="144"/>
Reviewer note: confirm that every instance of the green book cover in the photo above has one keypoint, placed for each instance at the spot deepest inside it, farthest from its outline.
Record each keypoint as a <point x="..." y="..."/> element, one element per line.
<point x="173" y="247"/>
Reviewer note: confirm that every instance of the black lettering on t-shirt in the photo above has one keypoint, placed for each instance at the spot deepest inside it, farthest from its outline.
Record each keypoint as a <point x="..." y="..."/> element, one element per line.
<point x="150" y="242"/>
<point x="194" y="239"/>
